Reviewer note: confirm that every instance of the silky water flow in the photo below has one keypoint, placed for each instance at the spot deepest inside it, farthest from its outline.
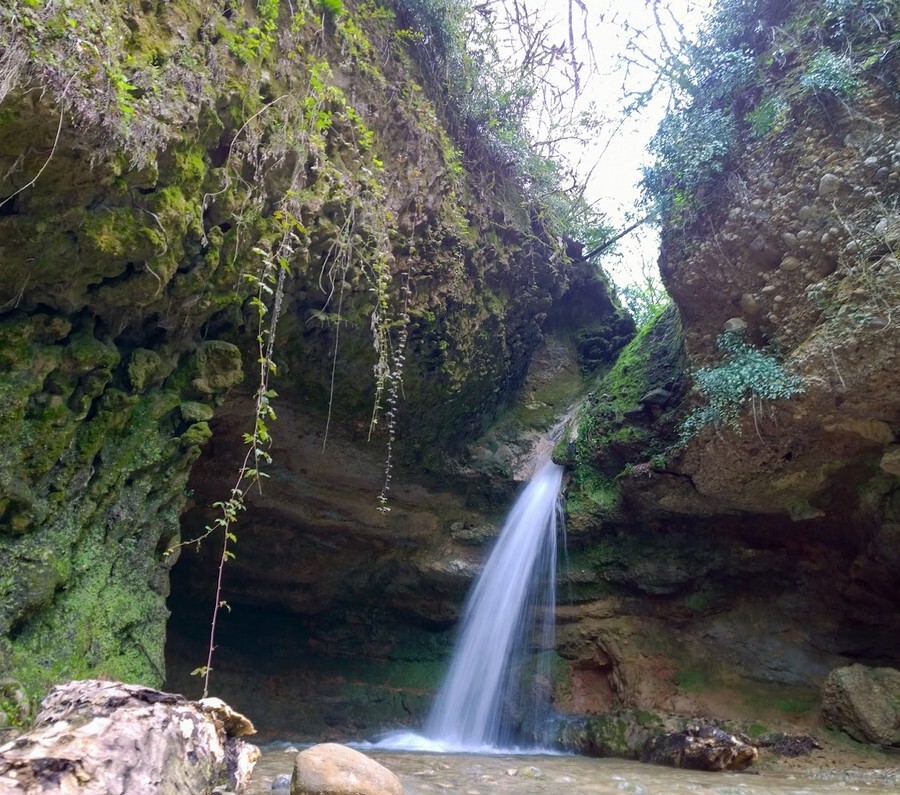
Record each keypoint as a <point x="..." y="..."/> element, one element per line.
<point x="497" y="688"/>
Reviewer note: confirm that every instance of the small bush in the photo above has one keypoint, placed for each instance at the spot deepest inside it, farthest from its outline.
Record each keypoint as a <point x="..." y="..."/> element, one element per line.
<point x="746" y="378"/>
<point x="691" y="148"/>
<point x="830" y="73"/>
<point x="770" y="116"/>
<point x="333" y="8"/>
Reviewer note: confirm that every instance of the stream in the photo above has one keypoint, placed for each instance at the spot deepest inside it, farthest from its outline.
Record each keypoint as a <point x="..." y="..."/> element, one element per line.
<point x="469" y="774"/>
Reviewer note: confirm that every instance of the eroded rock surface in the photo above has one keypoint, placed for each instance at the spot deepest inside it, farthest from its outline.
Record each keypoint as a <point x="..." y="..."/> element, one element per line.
<point x="864" y="702"/>
<point x="97" y="738"/>
<point x="700" y="748"/>
<point x="182" y="159"/>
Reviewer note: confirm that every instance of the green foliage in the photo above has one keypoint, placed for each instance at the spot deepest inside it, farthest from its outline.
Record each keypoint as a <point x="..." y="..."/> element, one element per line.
<point x="833" y="73"/>
<point x="746" y="378"/>
<point x="770" y="116"/>
<point x="785" y="52"/>
<point x="333" y="8"/>
<point x="645" y="298"/>
<point x="690" y="149"/>
<point x="252" y="38"/>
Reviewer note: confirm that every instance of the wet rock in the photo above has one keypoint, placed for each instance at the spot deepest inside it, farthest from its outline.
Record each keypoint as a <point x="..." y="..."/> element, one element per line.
<point x="99" y="737"/>
<point x="282" y="782"/>
<point x="790" y="745"/>
<point x="700" y="748"/>
<point x="617" y="733"/>
<point x="332" y="769"/>
<point x="864" y="702"/>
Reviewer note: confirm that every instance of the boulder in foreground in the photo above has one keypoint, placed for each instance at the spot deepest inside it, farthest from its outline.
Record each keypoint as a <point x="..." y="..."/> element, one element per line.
<point x="332" y="769"/>
<point x="700" y="748"/>
<point x="96" y="738"/>
<point x="864" y="702"/>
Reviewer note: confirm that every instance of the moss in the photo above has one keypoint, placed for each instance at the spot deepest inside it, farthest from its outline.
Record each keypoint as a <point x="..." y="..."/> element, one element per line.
<point x="621" y="734"/>
<point x="213" y="369"/>
<point x="191" y="411"/>
<point x="198" y="434"/>
<point x="190" y="164"/>
<point x="798" y="705"/>
<point x="755" y="730"/>
<point x="121" y="233"/>
<point x="144" y="366"/>
<point x="692" y="680"/>
<point x="591" y="499"/>
<point x="100" y="610"/>
<point x="146" y="247"/>
<point x="613" y="429"/>
<point x="87" y="352"/>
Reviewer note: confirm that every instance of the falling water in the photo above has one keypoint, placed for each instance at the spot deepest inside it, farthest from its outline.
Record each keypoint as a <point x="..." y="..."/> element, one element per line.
<point x="510" y="611"/>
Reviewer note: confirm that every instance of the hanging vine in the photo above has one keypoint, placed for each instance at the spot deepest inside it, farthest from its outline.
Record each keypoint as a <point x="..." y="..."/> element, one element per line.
<point x="293" y="132"/>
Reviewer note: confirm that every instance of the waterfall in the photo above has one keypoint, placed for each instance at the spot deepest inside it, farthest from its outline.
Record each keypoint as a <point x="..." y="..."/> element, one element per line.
<point x="485" y="696"/>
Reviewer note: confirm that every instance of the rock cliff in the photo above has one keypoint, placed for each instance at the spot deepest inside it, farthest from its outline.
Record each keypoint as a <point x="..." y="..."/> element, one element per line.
<point x="163" y="163"/>
<point x="739" y="539"/>
<point x="733" y="497"/>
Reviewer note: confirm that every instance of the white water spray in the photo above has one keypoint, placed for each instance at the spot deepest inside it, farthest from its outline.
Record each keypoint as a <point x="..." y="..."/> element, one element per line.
<point x="510" y="612"/>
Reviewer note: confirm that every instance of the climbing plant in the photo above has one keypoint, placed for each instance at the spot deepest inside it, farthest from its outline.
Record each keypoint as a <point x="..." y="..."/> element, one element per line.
<point x="289" y="141"/>
<point x="745" y="380"/>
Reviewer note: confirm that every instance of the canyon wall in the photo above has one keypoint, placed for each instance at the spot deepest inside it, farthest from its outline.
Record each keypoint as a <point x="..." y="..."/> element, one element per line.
<point x="165" y="166"/>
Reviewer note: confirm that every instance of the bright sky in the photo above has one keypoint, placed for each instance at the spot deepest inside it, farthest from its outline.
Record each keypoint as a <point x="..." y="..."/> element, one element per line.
<point x="619" y="154"/>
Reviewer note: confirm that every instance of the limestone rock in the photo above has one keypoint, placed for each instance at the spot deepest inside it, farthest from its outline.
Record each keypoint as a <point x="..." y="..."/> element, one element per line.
<point x="658" y="397"/>
<point x="700" y="748"/>
<point x="98" y="737"/>
<point x="235" y="724"/>
<point x="829" y="184"/>
<point x="890" y="461"/>
<point x="616" y="733"/>
<point x="865" y="703"/>
<point x="332" y="769"/>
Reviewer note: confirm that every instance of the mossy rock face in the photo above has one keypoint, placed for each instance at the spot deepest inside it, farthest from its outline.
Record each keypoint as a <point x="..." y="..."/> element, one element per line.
<point x="86" y="516"/>
<point x="126" y="309"/>
<point x="629" y="418"/>
<point x="619" y="733"/>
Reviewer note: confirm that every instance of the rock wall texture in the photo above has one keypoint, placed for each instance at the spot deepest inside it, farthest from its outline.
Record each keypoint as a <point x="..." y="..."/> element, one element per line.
<point x="159" y="162"/>
<point x="725" y="567"/>
<point x="728" y="547"/>
<point x="100" y="737"/>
